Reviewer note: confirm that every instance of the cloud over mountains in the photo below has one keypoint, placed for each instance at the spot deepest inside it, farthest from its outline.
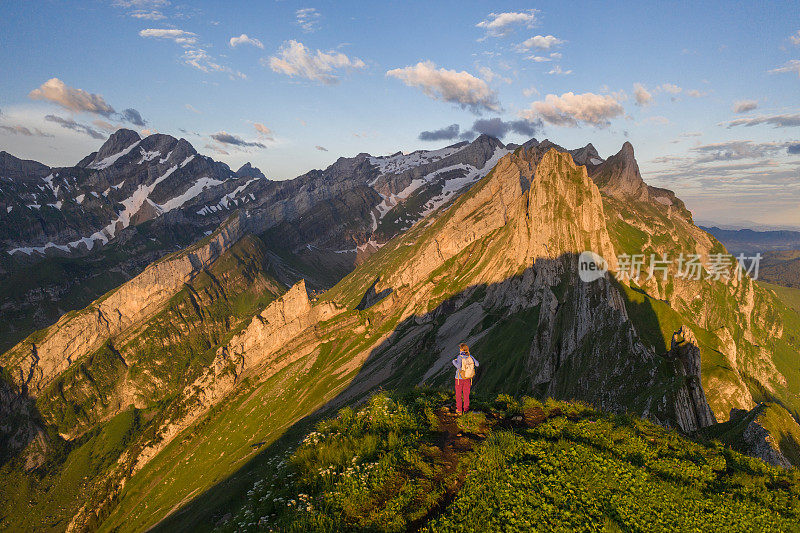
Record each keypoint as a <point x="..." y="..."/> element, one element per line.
<point x="295" y="60"/>
<point x="461" y="88"/>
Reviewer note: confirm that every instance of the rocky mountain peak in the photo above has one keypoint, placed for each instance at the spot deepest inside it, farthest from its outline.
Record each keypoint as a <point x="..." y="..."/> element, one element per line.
<point x="20" y="169"/>
<point x="117" y="142"/>
<point x="627" y="150"/>
<point x="586" y="156"/>
<point x="249" y="171"/>
<point x="619" y="175"/>
<point x="484" y="138"/>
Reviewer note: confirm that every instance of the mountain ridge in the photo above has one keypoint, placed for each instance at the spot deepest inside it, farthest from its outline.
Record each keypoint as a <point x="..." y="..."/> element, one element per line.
<point x="495" y="264"/>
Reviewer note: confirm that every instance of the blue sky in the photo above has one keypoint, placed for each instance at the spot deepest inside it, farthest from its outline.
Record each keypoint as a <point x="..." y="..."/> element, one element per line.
<point x="708" y="94"/>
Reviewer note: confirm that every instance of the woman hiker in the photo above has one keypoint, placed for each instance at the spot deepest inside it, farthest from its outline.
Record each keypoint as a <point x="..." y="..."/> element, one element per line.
<point x="465" y="369"/>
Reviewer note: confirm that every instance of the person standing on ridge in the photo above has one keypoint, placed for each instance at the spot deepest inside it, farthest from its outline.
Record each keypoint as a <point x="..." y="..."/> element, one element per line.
<point x="465" y="370"/>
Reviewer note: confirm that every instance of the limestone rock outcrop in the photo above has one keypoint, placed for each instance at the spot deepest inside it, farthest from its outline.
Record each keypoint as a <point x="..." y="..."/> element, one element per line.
<point x="36" y="361"/>
<point x="692" y="411"/>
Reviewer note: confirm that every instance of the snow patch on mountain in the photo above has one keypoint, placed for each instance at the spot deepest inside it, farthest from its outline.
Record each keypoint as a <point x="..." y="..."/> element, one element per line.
<point x="131" y="206"/>
<point x="198" y="187"/>
<point x="148" y="156"/>
<point x="398" y="163"/>
<point x="110" y="160"/>
<point x="229" y="198"/>
<point x="468" y="176"/>
<point x="454" y="185"/>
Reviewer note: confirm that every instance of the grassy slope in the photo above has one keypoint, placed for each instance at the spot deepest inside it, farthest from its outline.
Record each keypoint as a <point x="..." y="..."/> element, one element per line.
<point x="790" y="296"/>
<point x="44" y="500"/>
<point x="723" y="307"/>
<point x="87" y="278"/>
<point x="162" y="356"/>
<point x="397" y="464"/>
<point x="783" y="429"/>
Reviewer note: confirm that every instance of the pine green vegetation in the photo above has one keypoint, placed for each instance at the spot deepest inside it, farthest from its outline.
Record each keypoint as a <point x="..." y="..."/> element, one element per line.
<point x="398" y="463"/>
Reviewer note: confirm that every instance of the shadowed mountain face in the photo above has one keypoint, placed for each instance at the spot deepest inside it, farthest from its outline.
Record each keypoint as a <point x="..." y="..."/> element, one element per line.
<point x="171" y="381"/>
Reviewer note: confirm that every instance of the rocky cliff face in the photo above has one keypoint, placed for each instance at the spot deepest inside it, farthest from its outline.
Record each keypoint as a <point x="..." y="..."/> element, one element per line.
<point x="35" y="362"/>
<point x="691" y="407"/>
<point x="138" y="199"/>
<point x="507" y="247"/>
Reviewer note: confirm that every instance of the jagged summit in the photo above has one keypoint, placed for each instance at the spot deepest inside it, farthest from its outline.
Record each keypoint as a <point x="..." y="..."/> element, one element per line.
<point x="586" y="156"/>
<point x="619" y="175"/>
<point x="249" y="171"/>
<point x="117" y="142"/>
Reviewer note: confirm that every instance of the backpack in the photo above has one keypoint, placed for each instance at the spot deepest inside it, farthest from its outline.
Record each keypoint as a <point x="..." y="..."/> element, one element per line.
<point x="467" y="367"/>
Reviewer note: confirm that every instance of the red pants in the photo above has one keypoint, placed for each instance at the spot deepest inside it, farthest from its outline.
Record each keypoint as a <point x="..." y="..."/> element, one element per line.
<point x="462" y="390"/>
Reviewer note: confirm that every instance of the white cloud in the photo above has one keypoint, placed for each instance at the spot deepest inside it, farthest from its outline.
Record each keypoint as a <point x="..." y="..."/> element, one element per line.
<point x="670" y="88"/>
<point x="657" y="119"/>
<point x="263" y="131"/>
<point x="294" y="59"/>
<point x="571" y="109"/>
<point x="179" y="36"/>
<point x="70" y="98"/>
<point x="244" y="39"/>
<point x="201" y="60"/>
<point x="147" y="15"/>
<point x="786" y="120"/>
<point x="743" y="106"/>
<point x="308" y="18"/>
<point x="558" y="71"/>
<point x="141" y="4"/>
<point x="542" y="42"/>
<point x="539" y="59"/>
<point x="795" y="39"/>
<point x="735" y="150"/>
<point x="530" y="91"/>
<point x="193" y="55"/>
<point x="441" y="84"/>
<point x="501" y="24"/>
<point x="792" y="65"/>
<point x="489" y="75"/>
<point x="70" y="124"/>
<point x="641" y="95"/>
<point x="106" y="126"/>
<point x="694" y="93"/>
